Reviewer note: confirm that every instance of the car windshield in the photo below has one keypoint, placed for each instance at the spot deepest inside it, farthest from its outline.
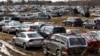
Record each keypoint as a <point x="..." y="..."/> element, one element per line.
<point x="76" y="31"/>
<point x="33" y="35"/>
<point x="77" y="41"/>
<point x="16" y="24"/>
<point x="59" y="30"/>
<point x="34" y="27"/>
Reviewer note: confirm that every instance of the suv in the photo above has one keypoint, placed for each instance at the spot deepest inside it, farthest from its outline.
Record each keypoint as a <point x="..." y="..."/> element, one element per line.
<point x="49" y="30"/>
<point x="73" y="21"/>
<point x="64" y="44"/>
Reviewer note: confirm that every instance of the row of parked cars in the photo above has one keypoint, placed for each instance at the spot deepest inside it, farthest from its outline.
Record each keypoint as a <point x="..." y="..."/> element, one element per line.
<point x="86" y="23"/>
<point x="55" y="39"/>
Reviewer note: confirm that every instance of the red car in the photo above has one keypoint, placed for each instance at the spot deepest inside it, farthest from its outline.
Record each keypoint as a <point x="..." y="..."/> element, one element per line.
<point x="92" y="40"/>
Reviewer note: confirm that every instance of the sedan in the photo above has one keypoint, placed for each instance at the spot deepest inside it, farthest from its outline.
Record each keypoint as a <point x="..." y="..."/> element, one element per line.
<point x="27" y="26"/>
<point x="11" y="26"/>
<point x="28" y="39"/>
<point x="92" y="24"/>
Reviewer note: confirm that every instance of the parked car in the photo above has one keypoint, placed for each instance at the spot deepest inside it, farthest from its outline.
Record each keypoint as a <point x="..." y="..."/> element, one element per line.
<point x="73" y="21"/>
<point x="2" y="22"/>
<point x="39" y="24"/>
<point x="96" y="14"/>
<point x="11" y="26"/>
<point x="91" y="24"/>
<point x="42" y="16"/>
<point x="93" y="40"/>
<point x="64" y="44"/>
<point x="74" y="31"/>
<point x="28" y="39"/>
<point x="83" y="11"/>
<point x="27" y="26"/>
<point x="49" y="30"/>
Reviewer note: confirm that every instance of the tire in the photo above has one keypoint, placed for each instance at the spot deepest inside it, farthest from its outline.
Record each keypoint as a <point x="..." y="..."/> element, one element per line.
<point x="14" y="42"/>
<point x="45" y="51"/>
<point x="73" y="25"/>
<point x="2" y="30"/>
<point x="8" y="31"/>
<point x="58" y="53"/>
<point x="93" y="27"/>
<point x="84" y="26"/>
<point x="24" y="46"/>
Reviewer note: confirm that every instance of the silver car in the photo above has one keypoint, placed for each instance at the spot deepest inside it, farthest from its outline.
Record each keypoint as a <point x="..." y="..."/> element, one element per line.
<point x="27" y="26"/>
<point x="28" y="39"/>
<point x="11" y="26"/>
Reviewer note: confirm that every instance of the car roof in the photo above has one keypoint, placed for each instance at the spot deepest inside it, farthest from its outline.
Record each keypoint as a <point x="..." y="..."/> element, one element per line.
<point x="68" y="35"/>
<point x="52" y="26"/>
<point x="29" y="32"/>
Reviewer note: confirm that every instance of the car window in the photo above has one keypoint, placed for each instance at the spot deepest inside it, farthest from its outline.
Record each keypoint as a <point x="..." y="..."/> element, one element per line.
<point x="33" y="35"/>
<point x="77" y="41"/>
<point x="64" y="39"/>
<point x="18" y="35"/>
<point x="21" y="35"/>
<point x="57" y="38"/>
<point x="59" y="30"/>
<point x="76" y="31"/>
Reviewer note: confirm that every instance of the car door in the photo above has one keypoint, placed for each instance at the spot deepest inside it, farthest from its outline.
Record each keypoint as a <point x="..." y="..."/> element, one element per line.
<point x="5" y="27"/>
<point x="53" y="45"/>
<point x="20" y="38"/>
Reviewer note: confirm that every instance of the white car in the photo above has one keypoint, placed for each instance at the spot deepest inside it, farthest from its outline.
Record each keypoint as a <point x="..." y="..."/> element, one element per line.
<point x="28" y="39"/>
<point x="27" y="26"/>
<point x="11" y="26"/>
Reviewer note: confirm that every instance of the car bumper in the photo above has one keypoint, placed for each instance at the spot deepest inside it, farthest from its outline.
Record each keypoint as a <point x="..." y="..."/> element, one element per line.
<point x="34" y="44"/>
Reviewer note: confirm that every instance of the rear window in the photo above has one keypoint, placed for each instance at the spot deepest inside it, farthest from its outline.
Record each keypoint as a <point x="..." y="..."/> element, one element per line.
<point x="15" y="18"/>
<point x="77" y="41"/>
<point x="59" y="30"/>
<point x="33" y="35"/>
<point x="34" y="27"/>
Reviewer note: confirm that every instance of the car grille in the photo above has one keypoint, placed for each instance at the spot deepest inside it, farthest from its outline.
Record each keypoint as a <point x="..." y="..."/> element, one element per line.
<point x="76" y="50"/>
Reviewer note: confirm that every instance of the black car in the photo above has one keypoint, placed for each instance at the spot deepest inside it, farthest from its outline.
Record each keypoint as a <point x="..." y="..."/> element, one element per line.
<point x="73" y="21"/>
<point x="49" y="30"/>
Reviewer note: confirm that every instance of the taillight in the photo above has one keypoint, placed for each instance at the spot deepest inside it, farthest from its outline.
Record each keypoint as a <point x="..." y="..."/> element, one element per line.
<point x="66" y="50"/>
<point x="30" y="30"/>
<point x="52" y="34"/>
<point x="42" y="39"/>
<point x="12" y="27"/>
<point x="31" y="40"/>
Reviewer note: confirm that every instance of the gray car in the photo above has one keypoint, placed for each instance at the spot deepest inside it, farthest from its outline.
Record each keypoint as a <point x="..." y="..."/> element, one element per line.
<point x="89" y="24"/>
<point x="64" y="44"/>
<point x="11" y="26"/>
<point x="28" y="39"/>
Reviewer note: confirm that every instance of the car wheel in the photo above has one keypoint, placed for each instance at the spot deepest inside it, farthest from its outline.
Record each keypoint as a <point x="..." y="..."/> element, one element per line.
<point x="93" y="27"/>
<point x="84" y="26"/>
<point x="14" y="42"/>
<point x="45" y="51"/>
<point x="58" y="53"/>
<point x="8" y="31"/>
<point x="73" y="25"/>
<point x="2" y="30"/>
<point x="24" y="46"/>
